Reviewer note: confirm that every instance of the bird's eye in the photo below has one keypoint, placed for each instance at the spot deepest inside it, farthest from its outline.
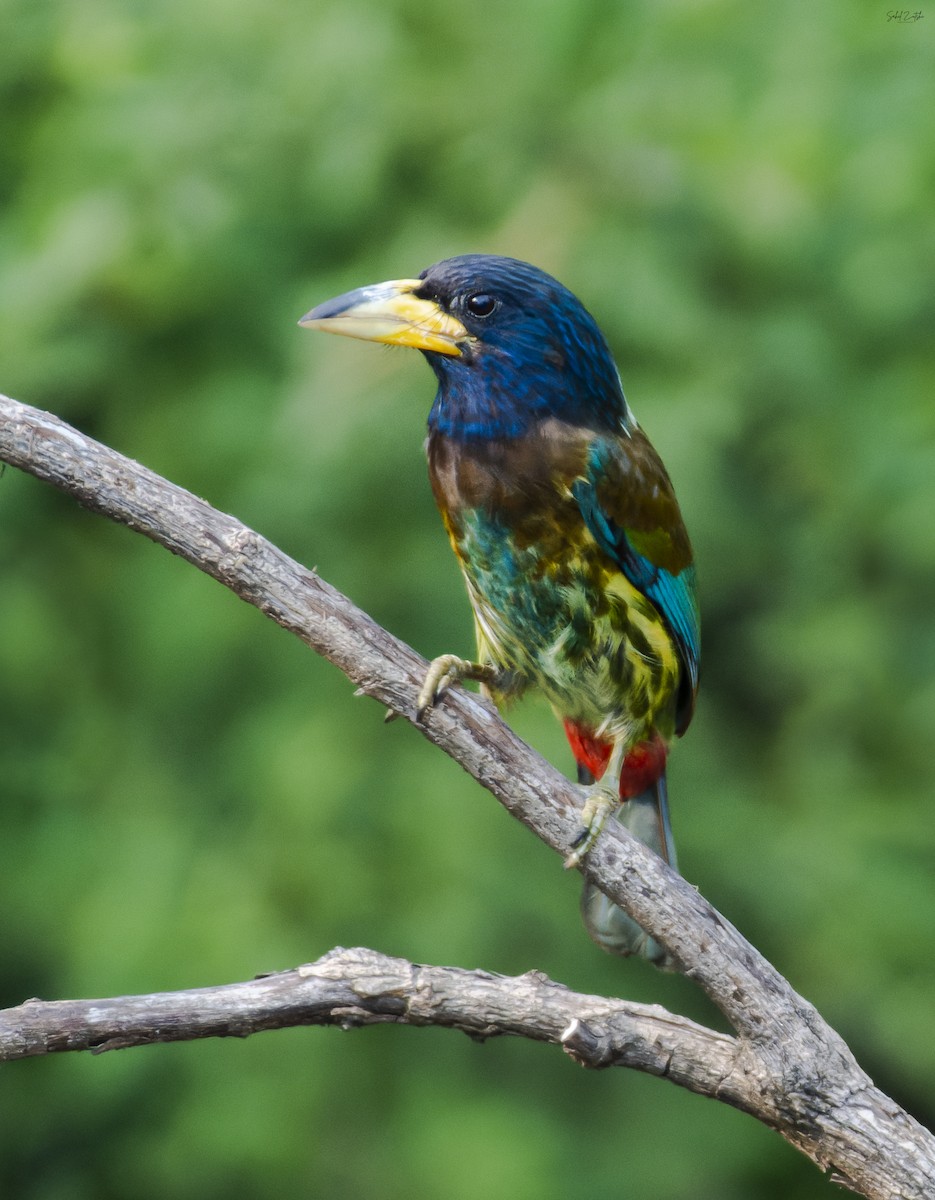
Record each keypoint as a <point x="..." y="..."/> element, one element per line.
<point x="480" y="304"/>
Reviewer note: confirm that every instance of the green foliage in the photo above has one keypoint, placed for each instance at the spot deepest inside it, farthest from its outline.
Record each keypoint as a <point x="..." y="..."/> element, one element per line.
<point x="742" y="195"/>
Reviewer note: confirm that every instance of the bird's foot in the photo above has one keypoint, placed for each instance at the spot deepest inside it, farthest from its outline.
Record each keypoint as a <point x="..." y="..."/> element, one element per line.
<point x="603" y="799"/>
<point x="446" y="670"/>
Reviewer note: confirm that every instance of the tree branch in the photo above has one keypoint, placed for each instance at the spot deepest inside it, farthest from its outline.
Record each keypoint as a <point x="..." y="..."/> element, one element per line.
<point x="350" y="988"/>
<point x="787" y="1067"/>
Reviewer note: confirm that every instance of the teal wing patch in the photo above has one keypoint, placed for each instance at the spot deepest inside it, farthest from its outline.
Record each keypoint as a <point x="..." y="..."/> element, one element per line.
<point x="673" y="595"/>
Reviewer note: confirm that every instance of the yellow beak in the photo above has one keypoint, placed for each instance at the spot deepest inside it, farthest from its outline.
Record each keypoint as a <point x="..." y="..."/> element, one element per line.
<point x="391" y="313"/>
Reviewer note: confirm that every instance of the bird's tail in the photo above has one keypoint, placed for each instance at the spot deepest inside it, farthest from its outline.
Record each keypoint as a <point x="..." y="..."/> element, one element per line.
<point x="647" y="818"/>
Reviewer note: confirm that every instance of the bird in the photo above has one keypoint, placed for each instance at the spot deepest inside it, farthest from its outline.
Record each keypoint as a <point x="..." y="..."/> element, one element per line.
<point x="566" y="527"/>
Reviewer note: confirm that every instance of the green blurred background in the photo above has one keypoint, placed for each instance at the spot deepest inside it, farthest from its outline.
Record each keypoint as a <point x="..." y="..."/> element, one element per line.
<point x="743" y="195"/>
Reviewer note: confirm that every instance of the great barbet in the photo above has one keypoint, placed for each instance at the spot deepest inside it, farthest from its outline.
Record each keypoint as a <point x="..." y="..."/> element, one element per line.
<point x="566" y="527"/>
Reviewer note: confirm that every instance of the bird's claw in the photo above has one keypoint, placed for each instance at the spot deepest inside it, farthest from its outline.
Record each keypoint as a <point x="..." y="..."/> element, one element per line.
<point x="445" y="671"/>
<point x="601" y="802"/>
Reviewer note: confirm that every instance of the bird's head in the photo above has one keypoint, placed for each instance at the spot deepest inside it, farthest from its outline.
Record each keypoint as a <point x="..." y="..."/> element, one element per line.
<point x="510" y="345"/>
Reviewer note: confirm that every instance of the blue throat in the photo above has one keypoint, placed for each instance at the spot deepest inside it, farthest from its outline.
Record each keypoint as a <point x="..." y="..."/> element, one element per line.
<point x="495" y="395"/>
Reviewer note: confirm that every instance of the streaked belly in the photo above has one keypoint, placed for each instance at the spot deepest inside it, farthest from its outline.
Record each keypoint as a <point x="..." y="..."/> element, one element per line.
<point x="561" y="618"/>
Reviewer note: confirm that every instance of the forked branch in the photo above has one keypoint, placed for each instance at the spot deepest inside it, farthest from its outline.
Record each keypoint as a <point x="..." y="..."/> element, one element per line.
<point x="785" y="1066"/>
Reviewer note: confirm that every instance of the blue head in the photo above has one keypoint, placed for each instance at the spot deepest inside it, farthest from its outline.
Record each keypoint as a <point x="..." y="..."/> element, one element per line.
<point x="509" y="344"/>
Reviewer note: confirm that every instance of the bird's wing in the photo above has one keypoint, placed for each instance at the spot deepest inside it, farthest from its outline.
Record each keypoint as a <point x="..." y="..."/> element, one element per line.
<point x="629" y="506"/>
